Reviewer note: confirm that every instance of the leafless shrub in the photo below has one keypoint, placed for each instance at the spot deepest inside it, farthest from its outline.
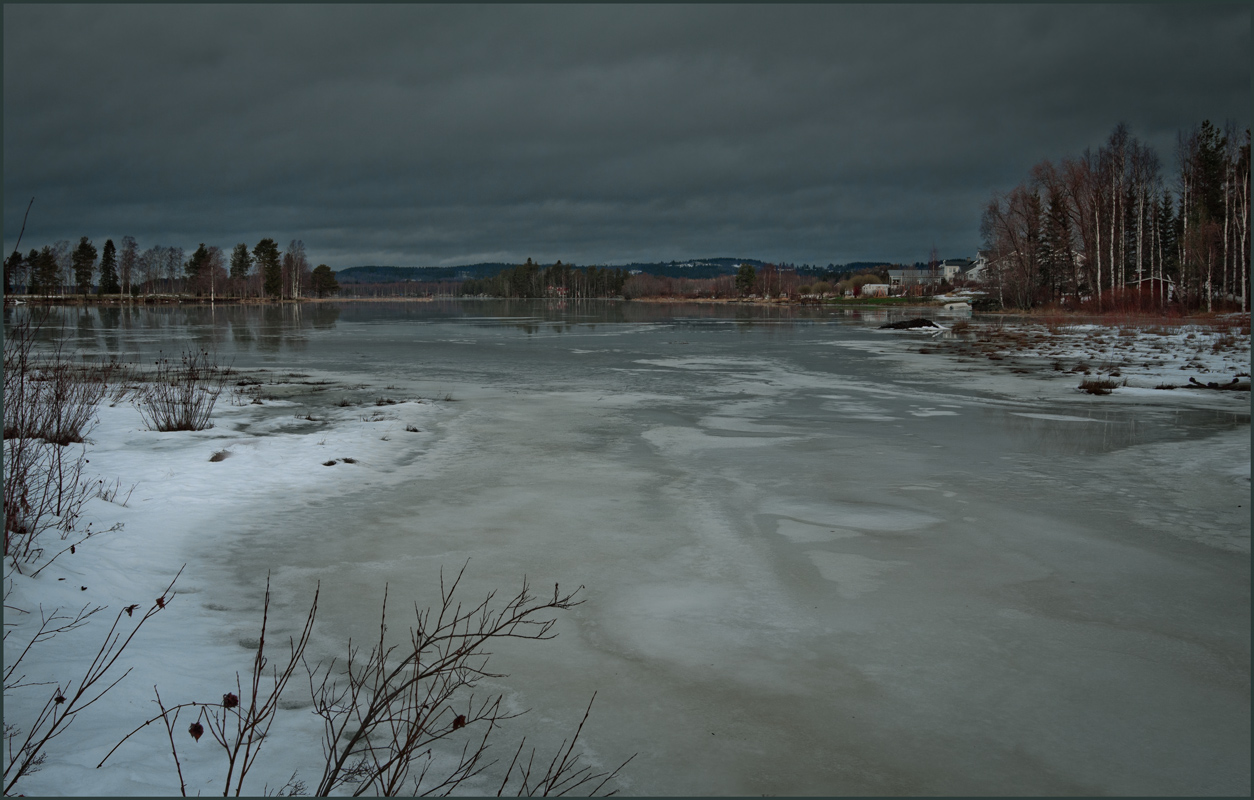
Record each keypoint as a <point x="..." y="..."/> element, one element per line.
<point x="238" y="727"/>
<point x="385" y="712"/>
<point x="180" y="396"/>
<point x="109" y="492"/>
<point x="47" y="396"/>
<point x="25" y="753"/>
<point x="49" y="404"/>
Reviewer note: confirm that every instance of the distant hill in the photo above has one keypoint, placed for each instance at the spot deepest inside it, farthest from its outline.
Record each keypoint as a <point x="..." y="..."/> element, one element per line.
<point x="692" y="268"/>
<point x="376" y="274"/>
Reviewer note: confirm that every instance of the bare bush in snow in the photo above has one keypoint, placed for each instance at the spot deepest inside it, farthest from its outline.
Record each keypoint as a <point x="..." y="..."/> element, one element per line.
<point x="386" y="712"/>
<point x="180" y="396"/>
<point x="49" y="404"/>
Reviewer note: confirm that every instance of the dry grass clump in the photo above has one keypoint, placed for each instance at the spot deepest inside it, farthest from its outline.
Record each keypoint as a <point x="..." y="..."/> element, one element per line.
<point x="1226" y="341"/>
<point x="1098" y="385"/>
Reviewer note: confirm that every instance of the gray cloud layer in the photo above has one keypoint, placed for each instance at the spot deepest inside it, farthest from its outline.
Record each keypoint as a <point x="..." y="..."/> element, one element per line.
<point x="432" y="134"/>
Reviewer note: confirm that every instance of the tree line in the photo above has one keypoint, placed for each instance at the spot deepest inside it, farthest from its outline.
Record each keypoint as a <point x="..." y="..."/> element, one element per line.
<point x="559" y="280"/>
<point x="1109" y="229"/>
<point x="262" y="271"/>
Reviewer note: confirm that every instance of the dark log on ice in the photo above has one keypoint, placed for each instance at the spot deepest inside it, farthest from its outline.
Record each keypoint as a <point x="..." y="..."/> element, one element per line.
<point x="908" y="324"/>
<point x="1236" y="385"/>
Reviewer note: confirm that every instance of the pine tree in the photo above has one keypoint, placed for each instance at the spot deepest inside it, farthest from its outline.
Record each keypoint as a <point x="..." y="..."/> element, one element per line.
<point x="108" y="270"/>
<point x="84" y="261"/>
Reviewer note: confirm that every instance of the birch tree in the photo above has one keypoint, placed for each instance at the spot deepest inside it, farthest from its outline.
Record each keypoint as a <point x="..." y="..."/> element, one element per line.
<point x="128" y="257"/>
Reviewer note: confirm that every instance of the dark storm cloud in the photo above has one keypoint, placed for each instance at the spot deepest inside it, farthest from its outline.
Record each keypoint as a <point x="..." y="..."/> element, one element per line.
<point x="603" y="133"/>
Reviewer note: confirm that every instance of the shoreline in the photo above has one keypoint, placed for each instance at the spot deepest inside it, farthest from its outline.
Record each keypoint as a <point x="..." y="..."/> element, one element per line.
<point x="1049" y="316"/>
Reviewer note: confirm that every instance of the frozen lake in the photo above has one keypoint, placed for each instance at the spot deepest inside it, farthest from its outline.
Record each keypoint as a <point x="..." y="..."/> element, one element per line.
<point x="817" y="562"/>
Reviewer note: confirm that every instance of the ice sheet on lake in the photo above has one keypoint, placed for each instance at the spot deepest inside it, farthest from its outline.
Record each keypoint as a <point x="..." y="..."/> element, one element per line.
<point x="844" y="608"/>
<point x="1057" y="417"/>
<point x="684" y="441"/>
<point x="854" y="575"/>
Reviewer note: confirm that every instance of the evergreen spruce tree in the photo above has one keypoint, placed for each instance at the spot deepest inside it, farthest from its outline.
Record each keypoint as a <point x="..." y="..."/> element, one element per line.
<point x="12" y="266"/>
<point x="44" y="272"/>
<point x="1211" y="144"/>
<point x="241" y="261"/>
<point x="323" y="281"/>
<point x="32" y="279"/>
<point x="745" y="278"/>
<point x="196" y="263"/>
<point x="84" y="262"/>
<point x="1056" y="265"/>
<point x="266" y="254"/>
<point x="108" y="270"/>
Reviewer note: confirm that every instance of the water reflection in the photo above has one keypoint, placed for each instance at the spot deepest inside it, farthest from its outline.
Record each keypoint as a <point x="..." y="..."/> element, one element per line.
<point x="271" y="328"/>
<point x="1084" y="432"/>
<point x="134" y="330"/>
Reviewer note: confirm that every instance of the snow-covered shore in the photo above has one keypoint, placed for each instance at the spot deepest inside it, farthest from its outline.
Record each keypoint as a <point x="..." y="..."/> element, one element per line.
<point x="166" y="486"/>
<point x="1145" y="360"/>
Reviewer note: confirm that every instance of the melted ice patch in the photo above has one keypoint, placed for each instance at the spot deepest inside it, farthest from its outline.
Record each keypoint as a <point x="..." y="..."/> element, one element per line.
<point x="682" y="441"/>
<point x="740" y="425"/>
<point x="860" y="516"/>
<point x="1056" y="417"/>
<point x="931" y="412"/>
<point x="713" y="363"/>
<point x="853" y="575"/>
<point x="809" y="532"/>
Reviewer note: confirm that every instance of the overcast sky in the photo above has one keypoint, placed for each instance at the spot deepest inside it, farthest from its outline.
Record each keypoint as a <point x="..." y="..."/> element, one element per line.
<point x="437" y="135"/>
